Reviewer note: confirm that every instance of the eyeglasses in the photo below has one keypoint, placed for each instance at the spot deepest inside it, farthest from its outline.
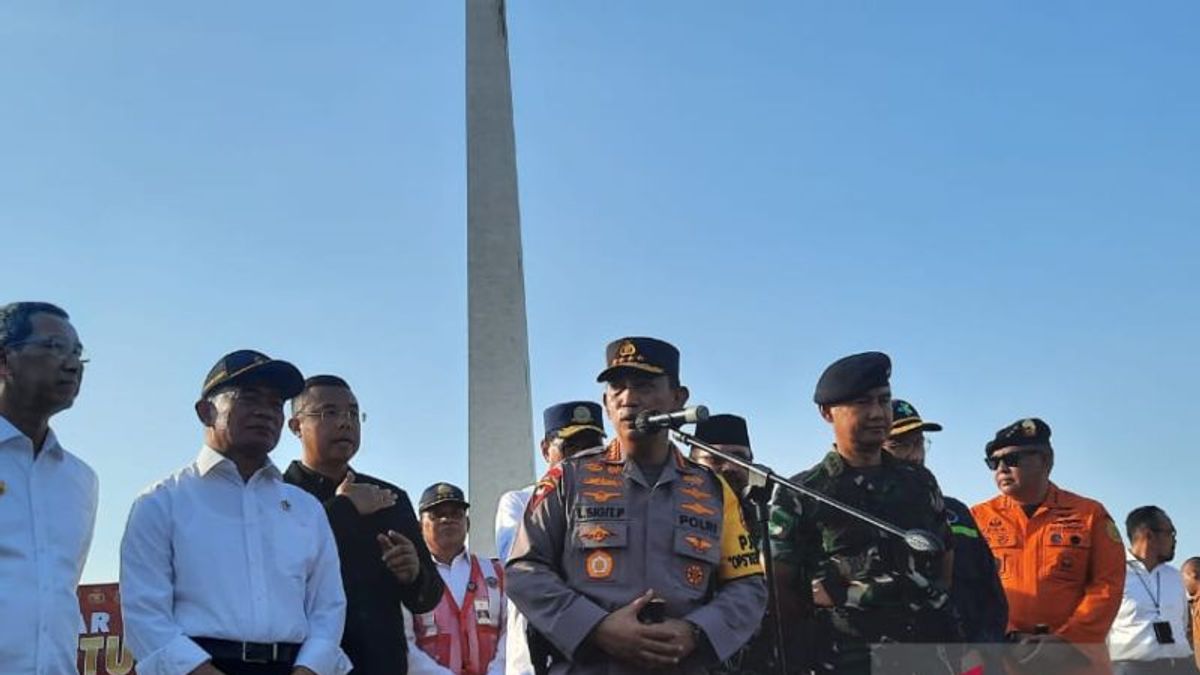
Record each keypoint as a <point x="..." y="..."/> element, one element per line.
<point x="331" y="415"/>
<point x="57" y="347"/>
<point x="1012" y="460"/>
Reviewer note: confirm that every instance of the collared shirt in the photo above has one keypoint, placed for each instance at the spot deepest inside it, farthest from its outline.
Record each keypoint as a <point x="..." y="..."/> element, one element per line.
<point x="509" y="513"/>
<point x="206" y="554"/>
<point x="47" y="514"/>
<point x="456" y="575"/>
<point x="1150" y="596"/>
<point x="374" y="635"/>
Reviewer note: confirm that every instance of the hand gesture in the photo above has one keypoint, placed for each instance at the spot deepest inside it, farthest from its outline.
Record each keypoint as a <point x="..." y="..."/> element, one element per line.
<point x="647" y="646"/>
<point x="400" y="556"/>
<point x="367" y="498"/>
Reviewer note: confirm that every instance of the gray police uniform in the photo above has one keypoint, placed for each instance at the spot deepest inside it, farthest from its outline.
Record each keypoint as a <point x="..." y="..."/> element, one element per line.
<point x="597" y="535"/>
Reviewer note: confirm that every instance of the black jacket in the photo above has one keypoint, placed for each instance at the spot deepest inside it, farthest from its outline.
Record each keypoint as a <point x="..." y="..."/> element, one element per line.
<point x="374" y="636"/>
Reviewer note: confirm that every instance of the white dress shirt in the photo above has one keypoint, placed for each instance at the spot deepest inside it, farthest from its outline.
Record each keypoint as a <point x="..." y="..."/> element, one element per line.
<point x="206" y="554"/>
<point x="456" y="576"/>
<point x="47" y="515"/>
<point x="1156" y="595"/>
<point x="509" y="514"/>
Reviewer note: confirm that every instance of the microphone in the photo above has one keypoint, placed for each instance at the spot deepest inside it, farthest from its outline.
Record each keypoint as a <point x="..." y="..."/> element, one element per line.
<point x="652" y="420"/>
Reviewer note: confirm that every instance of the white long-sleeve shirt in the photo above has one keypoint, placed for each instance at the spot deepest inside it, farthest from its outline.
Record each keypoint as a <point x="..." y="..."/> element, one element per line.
<point x="456" y="576"/>
<point x="47" y="516"/>
<point x="1156" y="595"/>
<point x="509" y="514"/>
<point x="206" y="554"/>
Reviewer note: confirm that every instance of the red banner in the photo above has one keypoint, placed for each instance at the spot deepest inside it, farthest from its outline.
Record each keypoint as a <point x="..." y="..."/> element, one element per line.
<point x="102" y="649"/>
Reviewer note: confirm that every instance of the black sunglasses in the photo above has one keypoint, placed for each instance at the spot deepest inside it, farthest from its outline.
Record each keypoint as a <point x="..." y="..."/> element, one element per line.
<point x="1011" y="460"/>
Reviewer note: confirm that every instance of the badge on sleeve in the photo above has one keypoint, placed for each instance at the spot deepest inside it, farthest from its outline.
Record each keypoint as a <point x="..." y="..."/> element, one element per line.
<point x="598" y="565"/>
<point x="693" y="575"/>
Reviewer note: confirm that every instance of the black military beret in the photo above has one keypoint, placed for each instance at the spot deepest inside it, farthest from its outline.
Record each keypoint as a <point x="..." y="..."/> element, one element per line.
<point x="1024" y="432"/>
<point x="646" y="354"/>
<point x="852" y="376"/>
<point x="567" y="419"/>
<point x="723" y="430"/>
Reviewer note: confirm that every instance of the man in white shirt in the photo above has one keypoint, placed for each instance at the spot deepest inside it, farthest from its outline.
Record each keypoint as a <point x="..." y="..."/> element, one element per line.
<point x="1149" y="634"/>
<point x="225" y="568"/>
<point x="47" y="495"/>
<point x="570" y="427"/>
<point x="464" y="634"/>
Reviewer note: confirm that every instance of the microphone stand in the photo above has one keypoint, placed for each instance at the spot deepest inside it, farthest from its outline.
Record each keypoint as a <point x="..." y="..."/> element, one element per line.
<point x="762" y="483"/>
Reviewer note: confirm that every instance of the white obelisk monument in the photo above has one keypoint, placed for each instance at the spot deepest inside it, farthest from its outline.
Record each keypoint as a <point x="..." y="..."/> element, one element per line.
<point x="500" y="427"/>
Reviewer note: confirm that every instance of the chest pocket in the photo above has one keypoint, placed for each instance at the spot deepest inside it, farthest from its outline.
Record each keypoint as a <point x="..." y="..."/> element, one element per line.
<point x="1066" y="552"/>
<point x="696" y="558"/>
<point x="1004" y="545"/>
<point x="603" y="550"/>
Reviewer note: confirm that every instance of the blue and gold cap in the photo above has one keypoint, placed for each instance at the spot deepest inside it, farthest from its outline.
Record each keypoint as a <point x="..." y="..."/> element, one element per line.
<point x="441" y="493"/>
<point x="246" y="366"/>
<point x="905" y="419"/>
<point x="852" y="376"/>
<point x="567" y="419"/>
<point x="1030" y="431"/>
<point x="644" y="354"/>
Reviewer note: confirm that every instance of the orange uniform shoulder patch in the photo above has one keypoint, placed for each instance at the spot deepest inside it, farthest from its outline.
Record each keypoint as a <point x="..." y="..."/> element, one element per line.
<point x="601" y="496"/>
<point x="602" y="481"/>
<point x="695" y="493"/>
<point x="599" y="565"/>
<point x="698" y="509"/>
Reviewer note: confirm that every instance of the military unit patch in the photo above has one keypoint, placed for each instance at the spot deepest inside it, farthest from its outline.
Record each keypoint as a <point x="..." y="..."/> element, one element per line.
<point x="695" y="493"/>
<point x="698" y="544"/>
<point x="698" y="509"/>
<point x="602" y="481"/>
<point x="601" y="495"/>
<point x="693" y="575"/>
<point x="597" y="534"/>
<point x="598" y="565"/>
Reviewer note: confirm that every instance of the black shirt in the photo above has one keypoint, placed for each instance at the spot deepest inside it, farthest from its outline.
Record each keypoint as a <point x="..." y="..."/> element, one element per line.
<point x="374" y="636"/>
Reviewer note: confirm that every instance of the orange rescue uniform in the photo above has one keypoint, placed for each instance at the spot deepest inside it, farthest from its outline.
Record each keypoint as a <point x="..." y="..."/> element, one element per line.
<point x="1063" y="567"/>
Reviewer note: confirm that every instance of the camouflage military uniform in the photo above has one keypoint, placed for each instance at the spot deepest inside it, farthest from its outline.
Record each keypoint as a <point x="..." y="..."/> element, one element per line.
<point x="882" y="592"/>
<point x="596" y="536"/>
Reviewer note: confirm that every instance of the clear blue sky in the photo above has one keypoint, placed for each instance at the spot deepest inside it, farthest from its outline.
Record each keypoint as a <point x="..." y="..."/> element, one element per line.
<point x="1005" y="199"/>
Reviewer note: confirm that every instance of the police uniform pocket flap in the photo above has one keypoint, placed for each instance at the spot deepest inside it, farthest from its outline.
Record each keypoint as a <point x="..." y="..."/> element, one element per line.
<point x="693" y="544"/>
<point x="601" y="535"/>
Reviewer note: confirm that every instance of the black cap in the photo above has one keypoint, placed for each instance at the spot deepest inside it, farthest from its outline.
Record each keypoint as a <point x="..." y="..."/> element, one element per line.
<point x="246" y="366"/>
<point x="1025" y="432"/>
<point x="645" y="354"/>
<point x="440" y="493"/>
<point x="852" y="376"/>
<point x="723" y="430"/>
<point x="906" y="419"/>
<point x="567" y="419"/>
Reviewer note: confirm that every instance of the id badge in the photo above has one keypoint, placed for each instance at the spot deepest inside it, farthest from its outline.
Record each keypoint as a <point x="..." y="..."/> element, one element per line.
<point x="1162" y="633"/>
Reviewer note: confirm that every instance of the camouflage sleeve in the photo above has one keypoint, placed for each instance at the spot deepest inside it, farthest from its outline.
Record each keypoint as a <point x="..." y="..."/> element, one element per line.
<point x="534" y="576"/>
<point x="941" y="516"/>
<point x="784" y="527"/>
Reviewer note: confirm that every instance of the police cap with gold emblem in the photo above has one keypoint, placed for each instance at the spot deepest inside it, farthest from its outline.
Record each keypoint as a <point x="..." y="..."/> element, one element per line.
<point x="247" y="366"/>
<point x="905" y="419"/>
<point x="1030" y="431"/>
<point x="441" y="493"/>
<point x="723" y="430"/>
<point x="852" y="376"/>
<point x="567" y="419"/>
<point x="641" y="354"/>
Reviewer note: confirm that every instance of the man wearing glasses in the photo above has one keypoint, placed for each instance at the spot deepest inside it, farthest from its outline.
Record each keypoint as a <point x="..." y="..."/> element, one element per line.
<point x="975" y="589"/>
<point x="1059" y="556"/>
<point x="47" y="495"/>
<point x="225" y="568"/>
<point x="385" y="563"/>
<point x="1149" y="634"/>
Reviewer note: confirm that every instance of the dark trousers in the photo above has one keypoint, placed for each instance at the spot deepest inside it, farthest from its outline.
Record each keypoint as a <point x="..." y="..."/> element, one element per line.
<point x="241" y="668"/>
<point x="1183" y="666"/>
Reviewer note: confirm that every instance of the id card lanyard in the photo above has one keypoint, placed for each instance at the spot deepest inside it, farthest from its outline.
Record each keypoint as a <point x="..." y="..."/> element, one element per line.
<point x="1154" y="597"/>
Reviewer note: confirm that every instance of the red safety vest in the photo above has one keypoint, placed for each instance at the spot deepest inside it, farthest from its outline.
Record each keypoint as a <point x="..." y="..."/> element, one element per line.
<point x="464" y="639"/>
